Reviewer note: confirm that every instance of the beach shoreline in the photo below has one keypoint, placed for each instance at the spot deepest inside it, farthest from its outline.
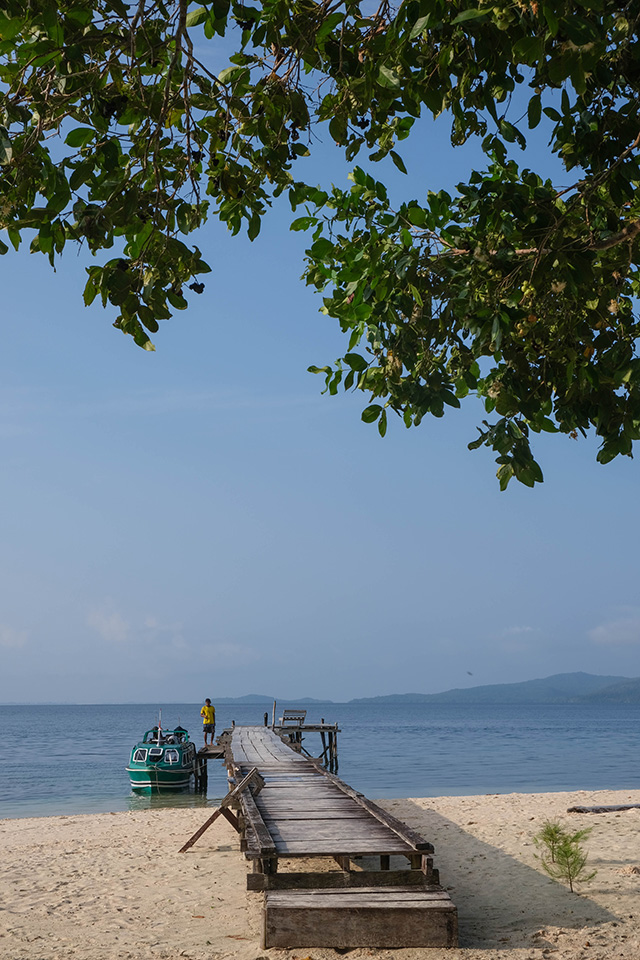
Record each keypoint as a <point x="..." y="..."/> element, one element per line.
<point x="113" y="885"/>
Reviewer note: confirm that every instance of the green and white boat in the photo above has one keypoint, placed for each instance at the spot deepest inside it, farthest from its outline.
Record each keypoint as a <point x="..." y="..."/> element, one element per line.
<point x="162" y="760"/>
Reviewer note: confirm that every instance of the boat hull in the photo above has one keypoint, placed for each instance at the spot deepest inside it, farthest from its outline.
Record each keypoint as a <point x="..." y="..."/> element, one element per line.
<point x="155" y="778"/>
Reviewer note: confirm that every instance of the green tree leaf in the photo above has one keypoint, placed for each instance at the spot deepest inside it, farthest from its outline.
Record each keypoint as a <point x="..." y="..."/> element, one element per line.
<point x="80" y="136"/>
<point x="388" y="78"/>
<point x="467" y="15"/>
<point x="371" y="413"/>
<point x="197" y="16"/>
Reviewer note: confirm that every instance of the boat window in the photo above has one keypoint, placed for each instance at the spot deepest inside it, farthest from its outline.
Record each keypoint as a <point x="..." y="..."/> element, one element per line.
<point x="140" y="756"/>
<point x="155" y="753"/>
<point x="171" y="756"/>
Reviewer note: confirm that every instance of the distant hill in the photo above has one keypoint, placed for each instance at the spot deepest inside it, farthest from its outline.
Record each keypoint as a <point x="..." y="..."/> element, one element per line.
<point x="626" y="691"/>
<point x="560" y="688"/>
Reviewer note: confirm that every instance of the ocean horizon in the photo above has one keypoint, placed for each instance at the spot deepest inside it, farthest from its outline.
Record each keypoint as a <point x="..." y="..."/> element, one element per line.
<point x="63" y="759"/>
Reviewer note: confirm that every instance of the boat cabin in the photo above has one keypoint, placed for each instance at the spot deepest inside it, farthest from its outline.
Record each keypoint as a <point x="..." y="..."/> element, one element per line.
<point x="156" y="735"/>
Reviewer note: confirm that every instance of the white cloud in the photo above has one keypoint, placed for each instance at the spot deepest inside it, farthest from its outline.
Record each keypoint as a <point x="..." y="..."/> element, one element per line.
<point x="109" y="624"/>
<point x="149" y="631"/>
<point x="624" y="631"/>
<point x="10" y="637"/>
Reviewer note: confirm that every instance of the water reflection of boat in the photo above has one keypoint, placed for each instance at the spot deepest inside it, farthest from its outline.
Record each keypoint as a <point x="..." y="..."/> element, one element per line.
<point x="162" y="760"/>
<point x="151" y="799"/>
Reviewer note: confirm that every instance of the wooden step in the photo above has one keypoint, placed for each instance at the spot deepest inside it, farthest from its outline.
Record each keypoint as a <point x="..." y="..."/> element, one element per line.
<point x="360" y="917"/>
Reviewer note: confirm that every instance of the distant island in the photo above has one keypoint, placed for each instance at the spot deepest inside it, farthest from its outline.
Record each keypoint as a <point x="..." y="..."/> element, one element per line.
<point x="560" y="688"/>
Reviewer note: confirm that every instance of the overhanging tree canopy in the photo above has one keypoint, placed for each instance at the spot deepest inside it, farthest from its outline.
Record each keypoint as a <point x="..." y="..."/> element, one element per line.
<point x="126" y="125"/>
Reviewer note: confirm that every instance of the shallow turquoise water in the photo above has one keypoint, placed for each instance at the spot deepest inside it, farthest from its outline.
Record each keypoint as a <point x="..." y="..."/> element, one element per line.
<point x="71" y="759"/>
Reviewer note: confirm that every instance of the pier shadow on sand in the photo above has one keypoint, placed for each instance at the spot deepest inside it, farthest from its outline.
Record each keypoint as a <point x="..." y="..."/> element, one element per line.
<point x="502" y="903"/>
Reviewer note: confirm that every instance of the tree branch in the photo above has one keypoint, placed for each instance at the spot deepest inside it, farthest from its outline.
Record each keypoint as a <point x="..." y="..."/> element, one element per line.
<point x="628" y="233"/>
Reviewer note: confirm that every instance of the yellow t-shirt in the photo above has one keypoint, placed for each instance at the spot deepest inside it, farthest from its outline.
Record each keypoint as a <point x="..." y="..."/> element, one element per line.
<point x="208" y="714"/>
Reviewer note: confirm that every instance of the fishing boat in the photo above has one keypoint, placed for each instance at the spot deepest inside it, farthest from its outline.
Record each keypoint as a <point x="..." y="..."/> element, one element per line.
<point x="162" y="760"/>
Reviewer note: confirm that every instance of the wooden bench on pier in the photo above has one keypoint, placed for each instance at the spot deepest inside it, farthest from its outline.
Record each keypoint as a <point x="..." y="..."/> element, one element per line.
<point x="302" y="812"/>
<point x="297" y="717"/>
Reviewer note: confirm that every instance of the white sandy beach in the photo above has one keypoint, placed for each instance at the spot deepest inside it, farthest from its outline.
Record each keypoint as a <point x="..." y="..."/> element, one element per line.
<point x="112" y="886"/>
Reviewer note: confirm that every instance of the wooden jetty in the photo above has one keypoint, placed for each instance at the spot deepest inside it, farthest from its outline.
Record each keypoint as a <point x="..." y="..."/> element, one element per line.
<point x="289" y="809"/>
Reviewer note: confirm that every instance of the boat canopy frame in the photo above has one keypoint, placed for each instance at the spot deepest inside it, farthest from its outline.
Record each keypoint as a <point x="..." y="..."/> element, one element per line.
<point x="170" y="737"/>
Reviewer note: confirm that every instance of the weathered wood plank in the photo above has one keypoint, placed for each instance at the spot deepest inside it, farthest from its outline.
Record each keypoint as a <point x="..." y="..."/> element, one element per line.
<point x="280" y="791"/>
<point x="335" y="878"/>
<point x="309" y="793"/>
<point x="304" y="802"/>
<point x="349" y="813"/>
<point x="307" y="802"/>
<point x="362" y="897"/>
<point x="292" y="812"/>
<point x="291" y="788"/>
<point x="354" y="848"/>
<point x="273" y="776"/>
<point x="351" y="819"/>
<point x="336" y="831"/>
<point x="296" y="796"/>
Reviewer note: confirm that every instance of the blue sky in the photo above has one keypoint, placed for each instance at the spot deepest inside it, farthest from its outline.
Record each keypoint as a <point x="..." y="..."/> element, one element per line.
<point x="200" y="521"/>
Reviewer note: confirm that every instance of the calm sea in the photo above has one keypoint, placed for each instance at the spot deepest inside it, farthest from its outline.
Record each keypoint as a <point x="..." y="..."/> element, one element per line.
<point x="71" y="759"/>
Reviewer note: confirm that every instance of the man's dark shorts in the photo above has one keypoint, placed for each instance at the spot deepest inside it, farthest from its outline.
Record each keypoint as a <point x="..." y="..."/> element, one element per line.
<point x="208" y="728"/>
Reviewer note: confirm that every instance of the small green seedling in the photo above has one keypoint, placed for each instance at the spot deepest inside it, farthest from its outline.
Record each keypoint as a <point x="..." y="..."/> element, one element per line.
<point x="563" y="856"/>
<point x="549" y="837"/>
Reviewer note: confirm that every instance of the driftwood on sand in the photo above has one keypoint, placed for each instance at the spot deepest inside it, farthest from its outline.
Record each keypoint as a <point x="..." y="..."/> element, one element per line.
<point x="610" y="808"/>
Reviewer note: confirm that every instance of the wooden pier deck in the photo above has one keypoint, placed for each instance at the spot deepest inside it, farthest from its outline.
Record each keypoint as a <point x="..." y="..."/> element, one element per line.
<point x="303" y="812"/>
<point x="211" y="752"/>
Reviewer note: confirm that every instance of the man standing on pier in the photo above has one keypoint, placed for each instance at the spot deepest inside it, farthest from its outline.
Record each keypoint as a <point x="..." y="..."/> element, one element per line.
<point x="208" y="714"/>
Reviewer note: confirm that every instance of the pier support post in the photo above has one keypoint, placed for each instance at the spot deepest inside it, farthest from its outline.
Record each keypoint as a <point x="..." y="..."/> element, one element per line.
<point x="200" y="775"/>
